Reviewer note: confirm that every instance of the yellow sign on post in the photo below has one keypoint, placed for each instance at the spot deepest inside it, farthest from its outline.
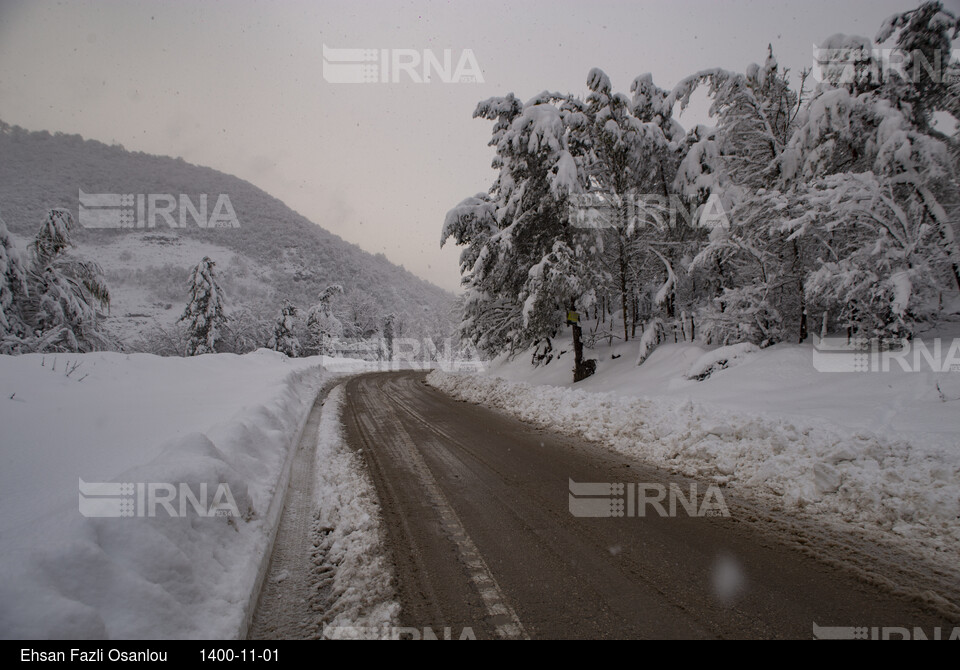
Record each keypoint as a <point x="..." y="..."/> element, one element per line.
<point x="573" y="317"/>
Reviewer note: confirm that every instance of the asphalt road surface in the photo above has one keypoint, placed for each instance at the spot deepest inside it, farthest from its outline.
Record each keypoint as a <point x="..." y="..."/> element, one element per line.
<point x="480" y="530"/>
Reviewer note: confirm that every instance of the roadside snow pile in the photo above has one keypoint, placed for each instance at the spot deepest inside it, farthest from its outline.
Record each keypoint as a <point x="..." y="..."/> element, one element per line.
<point x="347" y="528"/>
<point x="846" y="476"/>
<point x="720" y="359"/>
<point x="188" y="438"/>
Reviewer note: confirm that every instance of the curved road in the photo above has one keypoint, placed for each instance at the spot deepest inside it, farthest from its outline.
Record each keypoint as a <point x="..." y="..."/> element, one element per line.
<point x="477" y="511"/>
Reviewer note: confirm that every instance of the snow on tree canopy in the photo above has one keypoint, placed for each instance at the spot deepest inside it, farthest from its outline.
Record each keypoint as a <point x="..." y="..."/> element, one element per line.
<point x="649" y="100"/>
<point x="204" y="314"/>
<point x="474" y="215"/>
<point x="846" y="60"/>
<point x="565" y="176"/>
<point x="838" y="208"/>
<point x="597" y="80"/>
<point x="13" y="280"/>
<point x="53" y="297"/>
<point x="929" y="15"/>
<point x="541" y="126"/>
<point x="698" y="174"/>
<point x="54" y="235"/>
<point x="284" y="339"/>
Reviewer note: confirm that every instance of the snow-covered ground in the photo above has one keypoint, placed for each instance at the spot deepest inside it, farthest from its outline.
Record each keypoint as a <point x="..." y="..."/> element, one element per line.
<point x="108" y="417"/>
<point x="880" y="451"/>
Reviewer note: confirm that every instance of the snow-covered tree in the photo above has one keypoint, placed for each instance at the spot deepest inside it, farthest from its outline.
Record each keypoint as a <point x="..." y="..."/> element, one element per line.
<point x="57" y="307"/>
<point x="883" y="266"/>
<point x="516" y="229"/>
<point x="389" y="325"/>
<point x="835" y="206"/>
<point x="13" y="286"/>
<point x="629" y="160"/>
<point x="878" y="186"/>
<point x="752" y="266"/>
<point x="246" y="330"/>
<point x="925" y="80"/>
<point x="489" y="317"/>
<point x="204" y="315"/>
<point x="322" y="326"/>
<point x="284" y="338"/>
<point x="361" y="316"/>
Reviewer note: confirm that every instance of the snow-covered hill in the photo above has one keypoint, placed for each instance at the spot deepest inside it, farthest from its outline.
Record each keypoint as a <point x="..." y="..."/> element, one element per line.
<point x="275" y="254"/>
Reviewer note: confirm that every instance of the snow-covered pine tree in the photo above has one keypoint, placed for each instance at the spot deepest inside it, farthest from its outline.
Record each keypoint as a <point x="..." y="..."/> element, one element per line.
<point x="322" y="326"/>
<point x="284" y="338"/>
<point x="488" y="317"/>
<point x="204" y="314"/>
<point x="60" y="305"/>
<point x="13" y="286"/>
<point x="519" y="226"/>
<point x="929" y="83"/>
<point x="492" y="317"/>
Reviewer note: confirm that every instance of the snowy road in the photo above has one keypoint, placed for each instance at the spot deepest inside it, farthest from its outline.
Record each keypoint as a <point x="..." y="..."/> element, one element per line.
<point x="475" y="506"/>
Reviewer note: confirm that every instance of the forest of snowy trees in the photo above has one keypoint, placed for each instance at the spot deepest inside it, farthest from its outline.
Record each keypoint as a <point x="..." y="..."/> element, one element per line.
<point x="823" y="202"/>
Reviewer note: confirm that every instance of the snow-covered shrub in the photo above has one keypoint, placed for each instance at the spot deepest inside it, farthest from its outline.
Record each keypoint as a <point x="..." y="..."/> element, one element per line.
<point x="720" y="359"/>
<point x="741" y="315"/>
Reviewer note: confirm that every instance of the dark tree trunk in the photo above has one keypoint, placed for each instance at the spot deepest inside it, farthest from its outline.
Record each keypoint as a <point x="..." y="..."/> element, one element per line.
<point x="580" y="368"/>
<point x="623" y="290"/>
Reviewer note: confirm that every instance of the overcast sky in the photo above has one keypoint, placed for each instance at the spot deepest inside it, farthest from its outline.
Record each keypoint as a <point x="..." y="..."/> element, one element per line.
<point x="239" y="86"/>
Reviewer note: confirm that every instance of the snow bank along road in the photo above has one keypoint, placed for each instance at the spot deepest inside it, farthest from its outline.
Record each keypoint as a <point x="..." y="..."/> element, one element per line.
<point x="476" y="516"/>
<point x="327" y="565"/>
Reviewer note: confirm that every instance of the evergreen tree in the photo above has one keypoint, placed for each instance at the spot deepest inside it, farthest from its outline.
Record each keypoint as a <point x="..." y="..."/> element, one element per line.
<point x="204" y="314"/>
<point x="523" y="228"/>
<point x="322" y="326"/>
<point x="13" y="287"/>
<point x="58" y="308"/>
<point x="284" y="338"/>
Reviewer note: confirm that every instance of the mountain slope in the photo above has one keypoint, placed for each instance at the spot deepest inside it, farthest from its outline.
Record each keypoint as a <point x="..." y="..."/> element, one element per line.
<point x="275" y="254"/>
